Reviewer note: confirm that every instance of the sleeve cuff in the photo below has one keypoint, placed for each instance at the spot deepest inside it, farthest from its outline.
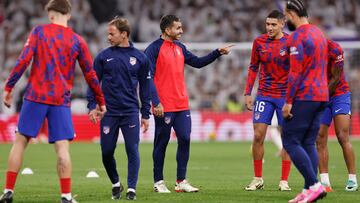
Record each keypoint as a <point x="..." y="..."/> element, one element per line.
<point x="91" y="106"/>
<point x="155" y="102"/>
<point x="289" y="100"/>
<point x="7" y="88"/>
<point x="217" y="53"/>
<point x="143" y="116"/>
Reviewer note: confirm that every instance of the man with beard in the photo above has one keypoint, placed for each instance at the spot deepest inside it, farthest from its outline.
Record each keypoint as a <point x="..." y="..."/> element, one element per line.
<point x="168" y="57"/>
<point x="306" y="97"/>
<point x="270" y="55"/>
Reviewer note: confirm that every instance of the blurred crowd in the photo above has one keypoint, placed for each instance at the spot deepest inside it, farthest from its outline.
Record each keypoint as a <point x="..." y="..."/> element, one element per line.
<point x="218" y="87"/>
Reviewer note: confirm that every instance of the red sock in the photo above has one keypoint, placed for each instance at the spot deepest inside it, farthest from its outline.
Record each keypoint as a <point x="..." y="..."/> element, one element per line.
<point x="285" y="169"/>
<point x="258" y="168"/>
<point x="179" y="181"/>
<point x="65" y="185"/>
<point x="10" y="180"/>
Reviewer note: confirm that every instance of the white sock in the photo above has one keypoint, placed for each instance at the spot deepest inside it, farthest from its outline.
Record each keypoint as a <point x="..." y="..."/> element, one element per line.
<point x="315" y="186"/>
<point x="352" y="177"/>
<point x="8" y="190"/>
<point x="66" y="195"/>
<point x="131" y="190"/>
<point x="304" y="191"/>
<point x="116" y="184"/>
<point x="324" y="179"/>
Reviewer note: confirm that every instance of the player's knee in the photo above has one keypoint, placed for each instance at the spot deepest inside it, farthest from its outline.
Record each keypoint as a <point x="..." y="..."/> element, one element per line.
<point x="107" y="153"/>
<point x="343" y="137"/>
<point x="287" y="146"/>
<point x="63" y="158"/>
<point x="322" y="134"/>
<point x="259" y="138"/>
<point x="184" y="140"/>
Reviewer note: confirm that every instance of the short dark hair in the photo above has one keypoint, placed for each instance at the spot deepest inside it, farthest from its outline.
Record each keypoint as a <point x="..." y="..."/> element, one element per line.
<point x="121" y="24"/>
<point x="276" y="14"/>
<point x="167" y="21"/>
<point x="298" y="7"/>
<point x="61" y="6"/>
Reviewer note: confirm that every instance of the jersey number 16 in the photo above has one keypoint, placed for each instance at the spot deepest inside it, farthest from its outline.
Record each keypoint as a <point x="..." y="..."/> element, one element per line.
<point x="259" y="106"/>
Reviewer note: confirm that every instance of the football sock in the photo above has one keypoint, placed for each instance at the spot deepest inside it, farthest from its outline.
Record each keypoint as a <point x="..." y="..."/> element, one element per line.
<point x="65" y="185"/>
<point x="324" y="179"/>
<point x="352" y="177"/>
<point x="258" y="168"/>
<point x="116" y="184"/>
<point x="179" y="181"/>
<point x="285" y="169"/>
<point x="10" y="180"/>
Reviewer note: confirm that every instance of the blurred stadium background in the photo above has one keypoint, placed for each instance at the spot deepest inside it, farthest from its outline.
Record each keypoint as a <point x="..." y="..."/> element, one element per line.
<point x="221" y="170"/>
<point x="216" y="91"/>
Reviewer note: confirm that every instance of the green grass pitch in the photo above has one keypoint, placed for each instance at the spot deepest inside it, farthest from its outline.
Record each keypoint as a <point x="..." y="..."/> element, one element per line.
<point x="220" y="170"/>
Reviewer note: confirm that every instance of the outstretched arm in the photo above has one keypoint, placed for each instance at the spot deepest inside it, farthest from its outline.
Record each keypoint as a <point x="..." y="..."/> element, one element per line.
<point x="199" y="62"/>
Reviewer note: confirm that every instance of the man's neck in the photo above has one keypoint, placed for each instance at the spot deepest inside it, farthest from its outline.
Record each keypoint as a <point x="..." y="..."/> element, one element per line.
<point x="60" y="20"/>
<point x="125" y="43"/>
<point x="302" y="21"/>
<point x="166" y="37"/>
<point x="279" y="36"/>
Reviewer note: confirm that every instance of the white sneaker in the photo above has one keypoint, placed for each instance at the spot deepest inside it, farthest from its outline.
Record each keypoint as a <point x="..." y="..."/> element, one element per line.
<point x="160" y="187"/>
<point x="185" y="186"/>
<point x="256" y="183"/>
<point x="284" y="186"/>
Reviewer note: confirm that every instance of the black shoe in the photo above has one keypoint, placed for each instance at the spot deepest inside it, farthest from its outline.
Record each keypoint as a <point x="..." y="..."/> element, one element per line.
<point x="64" y="200"/>
<point x="131" y="195"/>
<point x="6" y="197"/>
<point x="116" y="192"/>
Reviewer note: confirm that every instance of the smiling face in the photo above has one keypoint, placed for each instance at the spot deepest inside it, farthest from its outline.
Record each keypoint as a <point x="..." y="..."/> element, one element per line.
<point x="274" y="27"/>
<point x="175" y="31"/>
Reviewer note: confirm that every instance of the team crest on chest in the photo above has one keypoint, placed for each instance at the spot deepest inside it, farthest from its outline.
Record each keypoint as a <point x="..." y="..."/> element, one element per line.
<point x="282" y="52"/>
<point x="106" y="130"/>
<point x="178" y="51"/>
<point x="132" y="61"/>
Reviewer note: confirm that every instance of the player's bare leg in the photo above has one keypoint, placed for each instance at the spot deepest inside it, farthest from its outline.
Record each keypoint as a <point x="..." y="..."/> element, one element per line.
<point x="342" y="126"/>
<point x="17" y="152"/>
<point x="15" y="159"/>
<point x="258" y="155"/>
<point x="63" y="159"/>
<point x="323" y="154"/>
<point x="275" y="137"/>
<point x="285" y="169"/>
<point x="64" y="169"/>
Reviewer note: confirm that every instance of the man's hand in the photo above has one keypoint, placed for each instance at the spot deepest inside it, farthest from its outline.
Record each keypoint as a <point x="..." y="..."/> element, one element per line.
<point x="101" y="111"/>
<point x="145" y="124"/>
<point x="97" y="113"/>
<point x="159" y="110"/>
<point x="286" y="111"/>
<point x="249" y="103"/>
<point x="7" y="96"/>
<point x="225" y="50"/>
<point x="93" y="116"/>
